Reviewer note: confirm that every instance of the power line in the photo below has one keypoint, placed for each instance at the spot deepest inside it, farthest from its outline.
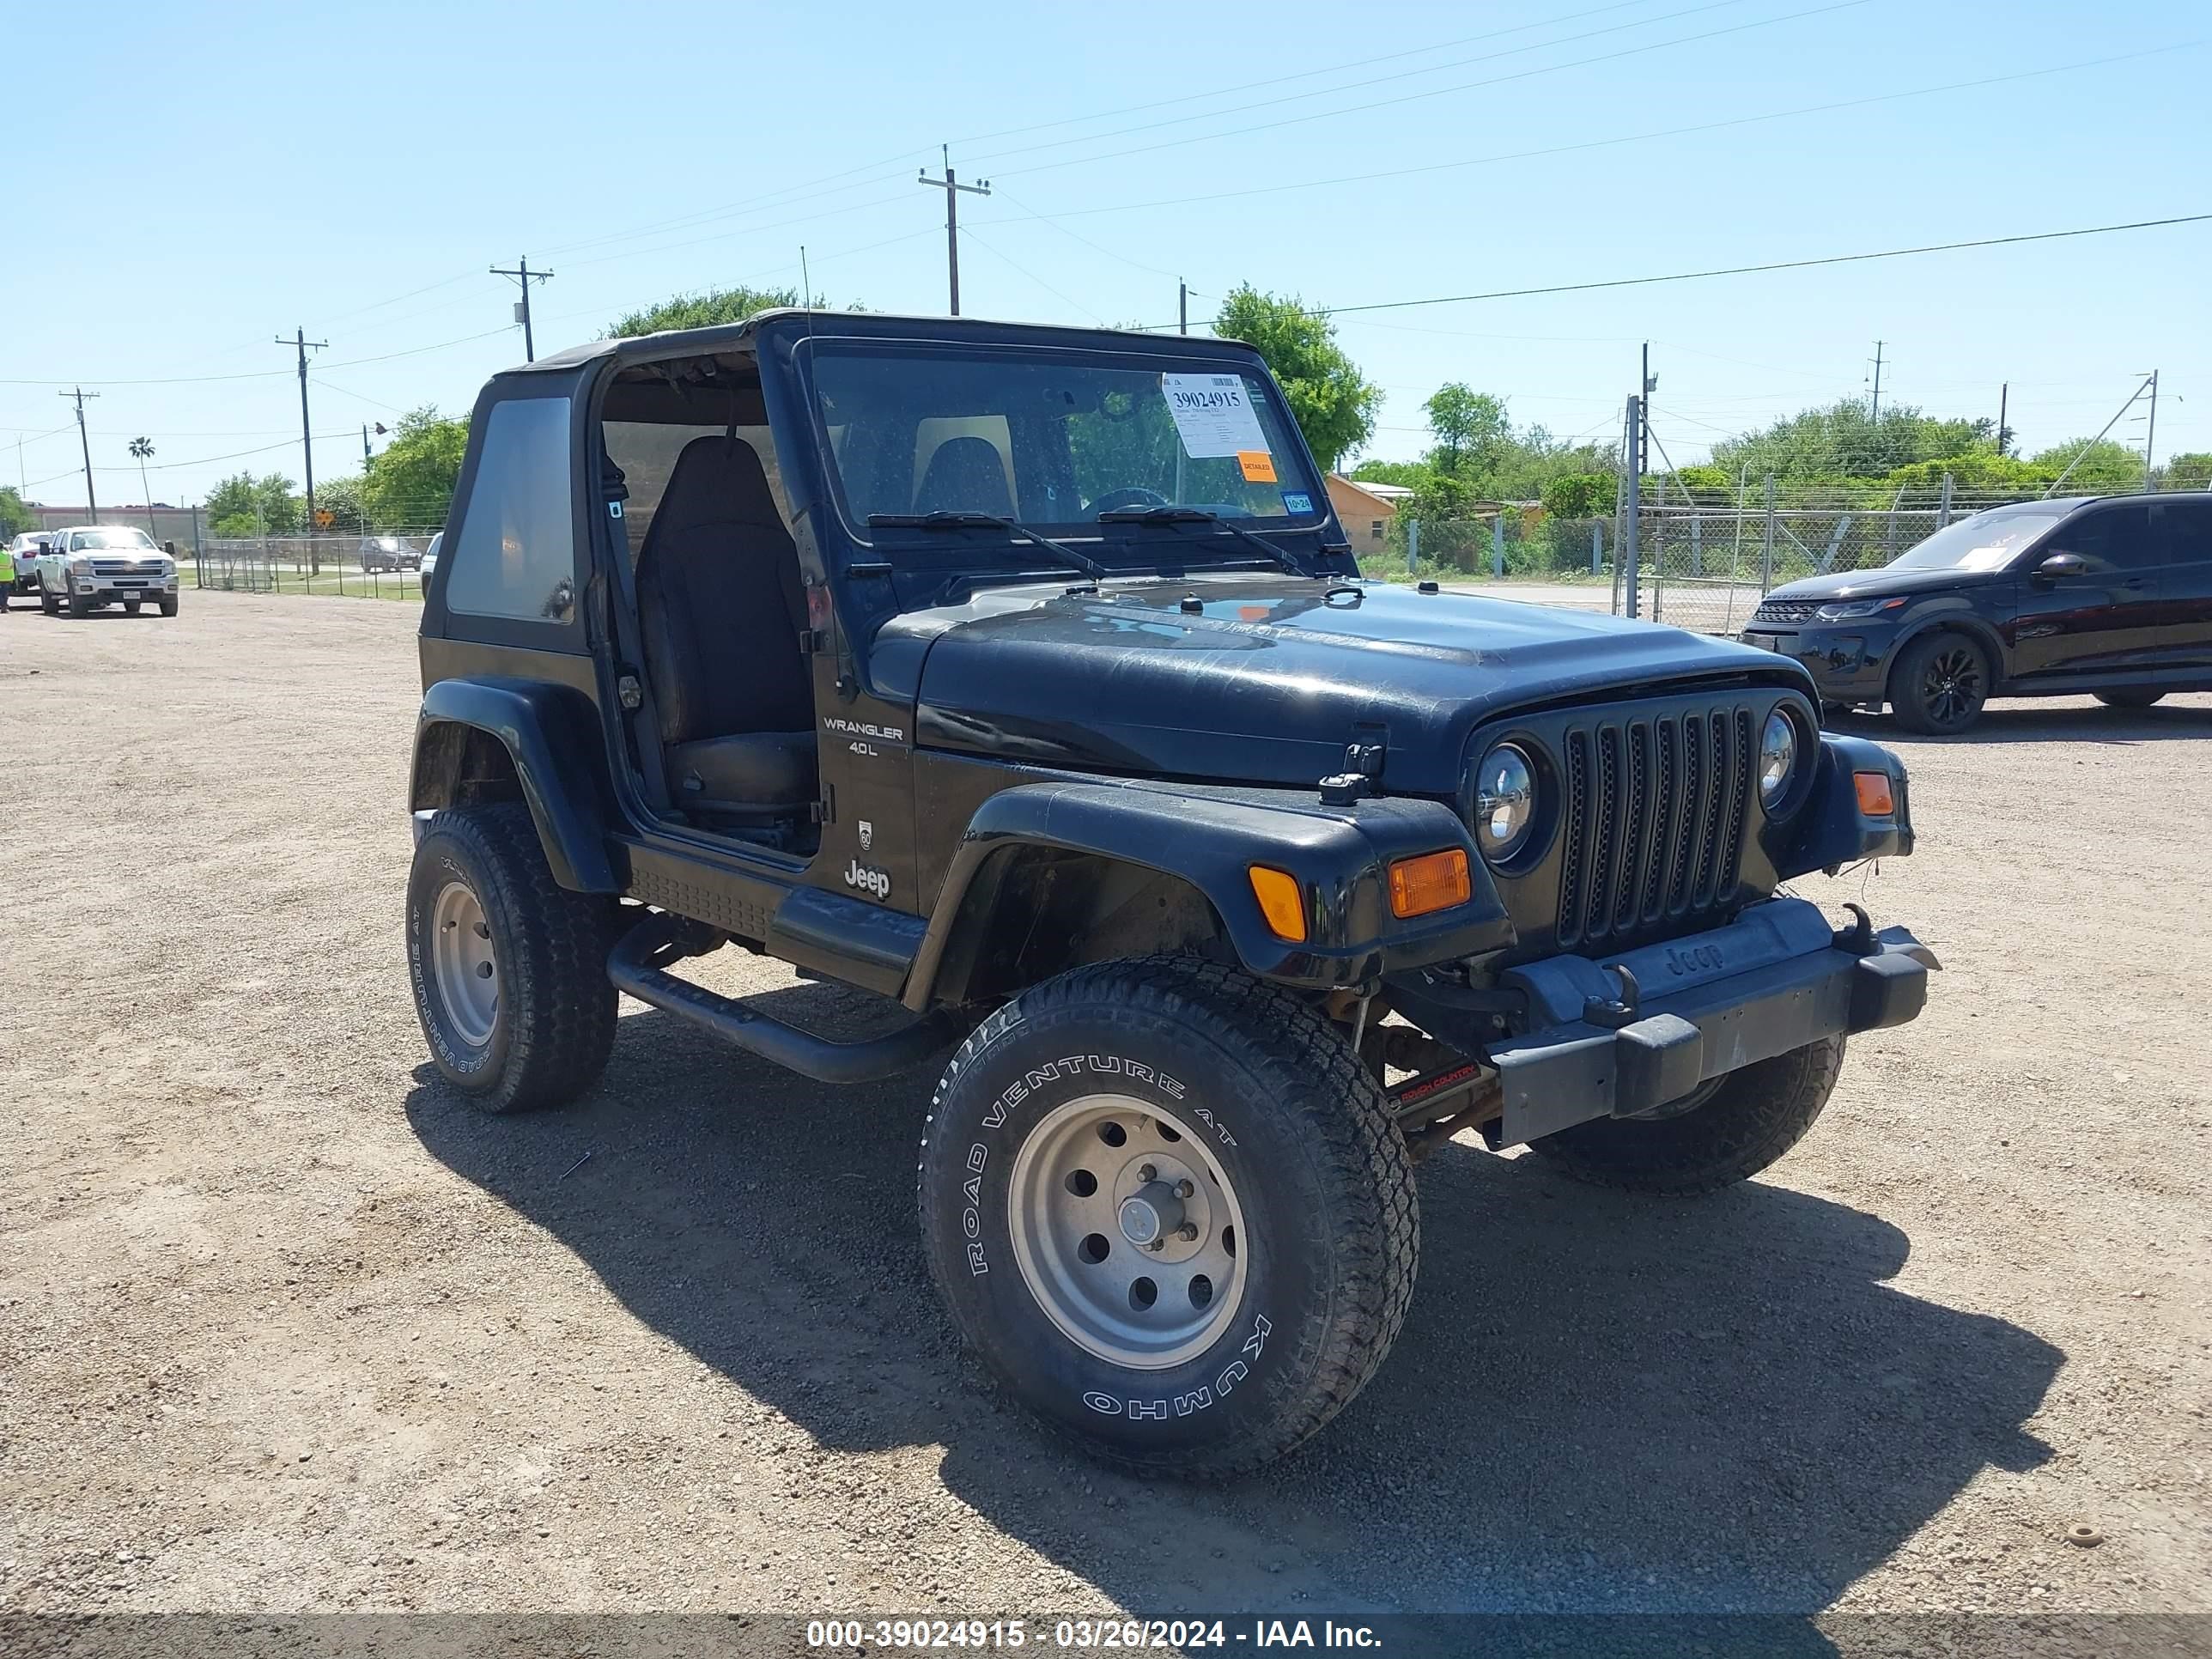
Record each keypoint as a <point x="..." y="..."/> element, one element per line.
<point x="1441" y="92"/>
<point x="1355" y="85"/>
<point x="1777" y="264"/>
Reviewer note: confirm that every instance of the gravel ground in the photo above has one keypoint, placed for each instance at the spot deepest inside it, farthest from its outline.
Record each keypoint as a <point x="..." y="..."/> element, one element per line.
<point x="284" y="1326"/>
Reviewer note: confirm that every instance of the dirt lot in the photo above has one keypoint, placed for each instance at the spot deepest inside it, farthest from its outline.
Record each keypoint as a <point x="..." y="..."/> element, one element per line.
<point x="282" y="1326"/>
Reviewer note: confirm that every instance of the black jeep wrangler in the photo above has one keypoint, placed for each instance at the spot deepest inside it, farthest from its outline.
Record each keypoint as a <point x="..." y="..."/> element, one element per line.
<point x="1023" y="676"/>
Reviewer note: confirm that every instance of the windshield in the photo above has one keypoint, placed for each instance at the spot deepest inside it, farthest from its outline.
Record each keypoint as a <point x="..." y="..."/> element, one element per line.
<point x="133" y="539"/>
<point x="1055" y="439"/>
<point x="1985" y="542"/>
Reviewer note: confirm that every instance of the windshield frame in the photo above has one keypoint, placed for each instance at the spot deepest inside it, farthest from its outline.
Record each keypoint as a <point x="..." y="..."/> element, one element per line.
<point x="1126" y="548"/>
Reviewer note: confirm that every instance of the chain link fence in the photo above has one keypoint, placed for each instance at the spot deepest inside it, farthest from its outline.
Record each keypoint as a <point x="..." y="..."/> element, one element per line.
<point x="384" y="566"/>
<point x="1705" y="558"/>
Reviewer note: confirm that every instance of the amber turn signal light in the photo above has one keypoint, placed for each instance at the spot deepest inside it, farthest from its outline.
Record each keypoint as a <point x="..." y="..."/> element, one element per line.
<point x="1434" y="881"/>
<point x="1280" y="902"/>
<point x="1874" y="798"/>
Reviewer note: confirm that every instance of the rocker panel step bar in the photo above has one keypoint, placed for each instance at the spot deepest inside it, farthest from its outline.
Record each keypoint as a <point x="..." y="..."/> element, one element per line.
<point x="639" y="967"/>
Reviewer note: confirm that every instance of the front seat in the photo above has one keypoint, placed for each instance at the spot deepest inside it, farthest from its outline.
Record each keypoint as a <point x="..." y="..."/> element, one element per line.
<point x="965" y="475"/>
<point x="722" y="613"/>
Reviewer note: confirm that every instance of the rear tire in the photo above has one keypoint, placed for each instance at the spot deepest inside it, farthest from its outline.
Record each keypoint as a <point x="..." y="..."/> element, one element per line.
<point x="1279" y="1189"/>
<point x="1939" y="685"/>
<point x="130" y="607"/>
<point x="509" y="970"/>
<point x="2130" y="697"/>
<point x="1752" y="1119"/>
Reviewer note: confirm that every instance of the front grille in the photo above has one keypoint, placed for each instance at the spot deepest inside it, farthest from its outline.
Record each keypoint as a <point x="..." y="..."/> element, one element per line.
<point x="1654" y="822"/>
<point x="126" y="566"/>
<point x="1785" y="610"/>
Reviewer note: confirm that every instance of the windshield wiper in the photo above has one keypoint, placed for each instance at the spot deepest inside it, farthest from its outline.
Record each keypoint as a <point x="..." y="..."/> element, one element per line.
<point x="1083" y="561"/>
<point x="1176" y="515"/>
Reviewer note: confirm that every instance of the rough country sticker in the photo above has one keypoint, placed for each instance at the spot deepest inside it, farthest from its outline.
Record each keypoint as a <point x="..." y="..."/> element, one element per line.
<point x="1160" y="1408"/>
<point x="876" y="883"/>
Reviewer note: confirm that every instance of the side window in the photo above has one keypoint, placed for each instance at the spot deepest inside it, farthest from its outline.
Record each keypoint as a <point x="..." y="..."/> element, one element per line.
<point x="2111" y="538"/>
<point x="2182" y="531"/>
<point x="516" y="554"/>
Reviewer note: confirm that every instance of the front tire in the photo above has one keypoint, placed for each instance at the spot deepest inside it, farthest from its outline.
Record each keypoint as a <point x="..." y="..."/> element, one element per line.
<point x="1751" y="1119"/>
<point x="168" y="605"/>
<point x="1939" y="685"/>
<point x="2130" y="697"/>
<point x="48" y="604"/>
<point x="79" y="606"/>
<point x="509" y="970"/>
<point x="1175" y="1100"/>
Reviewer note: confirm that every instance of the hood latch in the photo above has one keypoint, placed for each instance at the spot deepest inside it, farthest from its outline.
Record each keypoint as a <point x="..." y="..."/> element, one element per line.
<point x="1363" y="768"/>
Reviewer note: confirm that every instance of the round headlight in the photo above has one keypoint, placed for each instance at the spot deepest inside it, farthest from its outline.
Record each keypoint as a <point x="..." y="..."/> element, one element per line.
<point x="1504" y="802"/>
<point x="1778" y="756"/>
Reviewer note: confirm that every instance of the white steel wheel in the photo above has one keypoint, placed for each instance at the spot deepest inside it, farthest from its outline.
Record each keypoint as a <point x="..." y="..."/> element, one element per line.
<point x="462" y="964"/>
<point x="1128" y="1235"/>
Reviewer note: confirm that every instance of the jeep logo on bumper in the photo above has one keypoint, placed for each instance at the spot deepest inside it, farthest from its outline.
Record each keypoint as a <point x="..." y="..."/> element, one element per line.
<point x="1695" y="959"/>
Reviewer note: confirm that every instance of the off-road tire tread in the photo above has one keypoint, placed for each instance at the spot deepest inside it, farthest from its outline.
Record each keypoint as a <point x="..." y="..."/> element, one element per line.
<point x="556" y="990"/>
<point x="1758" y="1113"/>
<point x="1911" y="663"/>
<point x="1307" y="1064"/>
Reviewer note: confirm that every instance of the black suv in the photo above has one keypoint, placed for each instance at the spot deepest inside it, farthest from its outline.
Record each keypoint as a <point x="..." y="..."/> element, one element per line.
<point x="1024" y="677"/>
<point x="2103" y="595"/>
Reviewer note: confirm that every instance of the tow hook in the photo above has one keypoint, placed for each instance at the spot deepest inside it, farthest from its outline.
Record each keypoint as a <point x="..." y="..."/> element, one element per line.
<point x="1858" y="939"/>
<point x="1613" y="1013"/>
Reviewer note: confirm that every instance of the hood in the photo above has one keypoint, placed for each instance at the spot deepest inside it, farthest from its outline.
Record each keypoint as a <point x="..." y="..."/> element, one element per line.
<point x="1262" y="680"/>
<point x="1876" y="584"/>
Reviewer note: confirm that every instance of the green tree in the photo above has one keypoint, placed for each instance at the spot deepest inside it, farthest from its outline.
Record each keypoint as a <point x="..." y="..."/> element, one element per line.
<point x="16" y="515"/>
<point x="411" y="485"/>
<point x="341" y="499"/>
<point x="1841" y="442"/>
<point x="1333" y="403"/>
<point x="1580" y="495"/>
<point x="1412" y="474"/>
<point x="706" y="308"/>
<point x="1471" y="429"/>
<point x="2191" y="471"/>
<point x="2103" y="465"/>
<point x="246" y="506"/>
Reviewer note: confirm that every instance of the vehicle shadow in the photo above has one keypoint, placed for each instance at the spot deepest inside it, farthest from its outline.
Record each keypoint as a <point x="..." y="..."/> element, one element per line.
<point x="1598" y="1403"/>
<point x="2026" y="722"/>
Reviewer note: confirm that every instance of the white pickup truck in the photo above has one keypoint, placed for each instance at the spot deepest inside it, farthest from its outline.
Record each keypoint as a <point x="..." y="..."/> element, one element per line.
<point x="87" y="567"/>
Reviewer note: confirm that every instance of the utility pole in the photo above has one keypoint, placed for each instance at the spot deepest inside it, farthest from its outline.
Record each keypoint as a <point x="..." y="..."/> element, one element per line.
<point x="1182" y="316"/>
<point x="2151" y="436"/>
<point x="307" y="438"/>
<point x="1874" y="413"/>
<point x="950" y="185"/>
<point x="84" y="443"/>
<point x="523" y="274"/>
<point x="1630" y="550"/>
<point x="2004" y="435"/>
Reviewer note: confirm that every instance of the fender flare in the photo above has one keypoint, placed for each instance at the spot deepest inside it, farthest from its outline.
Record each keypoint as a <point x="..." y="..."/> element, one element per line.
<point x="1961" y="620"/>
<point x="561" y="780"/>
<point x="1340" y="856"/>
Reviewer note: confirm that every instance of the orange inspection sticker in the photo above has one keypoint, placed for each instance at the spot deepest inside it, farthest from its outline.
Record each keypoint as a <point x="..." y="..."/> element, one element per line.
<point x="1259" y="466"/>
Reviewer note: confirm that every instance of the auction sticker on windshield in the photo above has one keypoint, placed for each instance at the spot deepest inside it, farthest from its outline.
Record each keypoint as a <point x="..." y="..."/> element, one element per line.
<point x="1214" y="414"/>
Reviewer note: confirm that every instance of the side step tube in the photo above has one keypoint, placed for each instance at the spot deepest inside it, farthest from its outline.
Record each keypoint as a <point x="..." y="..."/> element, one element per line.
<point x="639" y="967"/>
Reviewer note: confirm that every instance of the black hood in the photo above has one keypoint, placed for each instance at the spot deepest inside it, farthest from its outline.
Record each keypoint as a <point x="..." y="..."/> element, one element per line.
<point x="1879" y="584"/>
<point x="1265" y="681"/>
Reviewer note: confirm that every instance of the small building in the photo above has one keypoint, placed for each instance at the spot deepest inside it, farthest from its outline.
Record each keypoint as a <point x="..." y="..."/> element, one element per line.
<point x="1365" y="509"/>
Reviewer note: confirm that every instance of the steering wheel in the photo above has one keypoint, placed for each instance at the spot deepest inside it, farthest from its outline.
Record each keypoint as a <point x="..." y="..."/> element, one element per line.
<point x="1130" y="496"/>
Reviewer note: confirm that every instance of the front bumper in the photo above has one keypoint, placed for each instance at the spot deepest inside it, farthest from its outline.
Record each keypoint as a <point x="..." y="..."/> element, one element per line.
<point x="1607" y="1044"/>
<point x="1849" y="660"/>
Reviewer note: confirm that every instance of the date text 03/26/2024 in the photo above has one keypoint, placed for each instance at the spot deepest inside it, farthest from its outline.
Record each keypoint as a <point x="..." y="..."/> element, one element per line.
<point x="931" y="1634"/>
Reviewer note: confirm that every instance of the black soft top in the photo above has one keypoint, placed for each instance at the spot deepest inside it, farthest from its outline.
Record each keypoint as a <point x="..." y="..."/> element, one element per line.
<point x="796" y="321"/>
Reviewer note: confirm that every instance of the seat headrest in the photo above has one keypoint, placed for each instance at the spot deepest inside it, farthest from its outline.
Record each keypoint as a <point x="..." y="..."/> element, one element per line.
<point x="965" y="475"/>
<point x="715" y="480"/>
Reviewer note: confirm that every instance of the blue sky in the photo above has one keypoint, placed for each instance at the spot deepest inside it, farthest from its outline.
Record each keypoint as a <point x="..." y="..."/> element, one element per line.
<point x="191" y="181"/>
